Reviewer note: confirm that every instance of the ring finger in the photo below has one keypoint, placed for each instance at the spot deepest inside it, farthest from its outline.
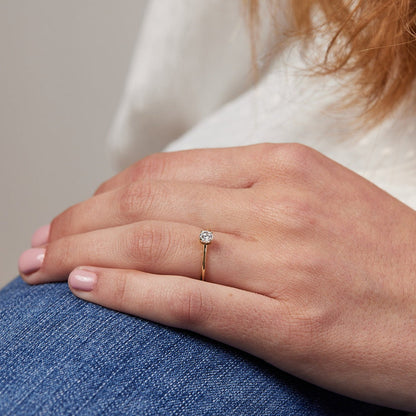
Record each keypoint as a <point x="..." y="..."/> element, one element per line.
<point x="151" y="246"/>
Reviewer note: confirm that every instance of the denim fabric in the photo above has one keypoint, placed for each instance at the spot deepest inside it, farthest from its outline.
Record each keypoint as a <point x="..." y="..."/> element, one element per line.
<point x="60" y="355"/>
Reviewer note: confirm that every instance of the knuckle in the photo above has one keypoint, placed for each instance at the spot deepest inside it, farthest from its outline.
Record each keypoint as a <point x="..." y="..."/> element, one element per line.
<point x="148" y="244"/>
<point x="266" y="155"/>
<point x="291" y="159"/>
<point x="120" y="291"/>
<point x="296" y="153"/>
<point x="191" y="307"/>
<point x="310" y="315"/>
<point x="264" y="149"/>
<point x="307" y="328"/>
<point x="135" y="200"/>
<point x="150" y="167"/>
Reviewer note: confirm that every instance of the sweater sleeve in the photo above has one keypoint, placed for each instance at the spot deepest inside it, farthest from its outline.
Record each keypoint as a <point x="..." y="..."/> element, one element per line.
<point x="191" y="58"/>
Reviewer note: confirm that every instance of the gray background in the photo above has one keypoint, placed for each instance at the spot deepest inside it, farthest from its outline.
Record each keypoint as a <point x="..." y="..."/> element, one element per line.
<point x="62" y="71"/>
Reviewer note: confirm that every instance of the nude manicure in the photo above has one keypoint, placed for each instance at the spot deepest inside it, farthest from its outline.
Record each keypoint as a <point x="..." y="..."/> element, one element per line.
<point x="81" y="279"/>
<point x="31" y="260"/>
<point x="41" y="236"/>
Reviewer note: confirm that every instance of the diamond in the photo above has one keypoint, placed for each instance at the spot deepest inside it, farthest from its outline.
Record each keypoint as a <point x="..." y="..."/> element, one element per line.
<point x="205" y="237"/>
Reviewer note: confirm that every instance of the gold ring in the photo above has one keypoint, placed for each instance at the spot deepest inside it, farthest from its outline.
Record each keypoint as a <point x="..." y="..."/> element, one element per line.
<point x="205" y="237"/>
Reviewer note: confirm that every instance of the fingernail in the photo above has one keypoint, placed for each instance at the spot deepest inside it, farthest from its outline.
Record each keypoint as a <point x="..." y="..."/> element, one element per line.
<point x="41" y="236"/>
<point x="81" y="279"/>
<point x="31" y="260"/>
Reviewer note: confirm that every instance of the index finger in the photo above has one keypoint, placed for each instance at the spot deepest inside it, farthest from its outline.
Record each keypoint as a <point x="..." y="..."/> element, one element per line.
<point x="235" y="167"/>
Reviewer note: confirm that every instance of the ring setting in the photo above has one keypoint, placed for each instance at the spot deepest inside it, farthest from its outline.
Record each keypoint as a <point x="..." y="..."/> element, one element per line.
<point x="205" y="237"/>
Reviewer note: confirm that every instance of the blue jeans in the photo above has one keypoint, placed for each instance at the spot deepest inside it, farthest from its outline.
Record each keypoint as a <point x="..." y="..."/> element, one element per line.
<point x="62" y="356"/>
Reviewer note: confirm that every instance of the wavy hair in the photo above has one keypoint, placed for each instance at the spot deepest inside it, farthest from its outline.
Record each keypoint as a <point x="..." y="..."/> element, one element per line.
<point x="373" y="41"/>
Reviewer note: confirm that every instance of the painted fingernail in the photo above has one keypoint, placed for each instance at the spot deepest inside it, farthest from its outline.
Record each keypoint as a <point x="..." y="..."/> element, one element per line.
<point x="31" y="260"/>
<point x="41" y="236"/>
<point x="81" y="279"/>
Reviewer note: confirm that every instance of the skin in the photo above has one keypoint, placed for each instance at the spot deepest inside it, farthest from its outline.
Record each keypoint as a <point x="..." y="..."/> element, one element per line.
<point x="312" y="267"/>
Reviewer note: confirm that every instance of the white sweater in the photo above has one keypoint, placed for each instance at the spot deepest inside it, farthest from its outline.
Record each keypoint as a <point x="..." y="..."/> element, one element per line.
<point x="191" y="86"/>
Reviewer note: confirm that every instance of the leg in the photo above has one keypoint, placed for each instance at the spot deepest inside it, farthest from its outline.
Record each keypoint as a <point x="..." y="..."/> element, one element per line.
<point x="60" y="355"/>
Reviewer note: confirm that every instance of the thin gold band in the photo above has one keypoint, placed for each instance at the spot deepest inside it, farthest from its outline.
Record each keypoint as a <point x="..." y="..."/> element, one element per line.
<point x="204" y="261"/>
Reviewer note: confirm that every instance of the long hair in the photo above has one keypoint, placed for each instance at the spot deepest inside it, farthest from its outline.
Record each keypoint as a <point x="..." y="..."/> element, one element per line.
<point x="374" y="41"/>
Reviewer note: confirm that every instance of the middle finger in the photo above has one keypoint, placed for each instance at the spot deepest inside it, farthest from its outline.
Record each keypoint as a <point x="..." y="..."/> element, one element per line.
<point x="195" y="204"/>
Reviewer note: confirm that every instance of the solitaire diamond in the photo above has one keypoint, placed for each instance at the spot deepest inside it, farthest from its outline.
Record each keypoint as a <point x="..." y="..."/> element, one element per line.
<point x="205" y="237"/>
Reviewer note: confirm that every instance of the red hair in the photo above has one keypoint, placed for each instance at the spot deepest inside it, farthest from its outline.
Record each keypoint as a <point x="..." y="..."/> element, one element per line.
<point x="374" y="41"/>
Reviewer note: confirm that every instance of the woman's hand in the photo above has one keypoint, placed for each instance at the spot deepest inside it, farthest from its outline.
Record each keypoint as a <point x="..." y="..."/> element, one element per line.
<point x="312" y="268"/>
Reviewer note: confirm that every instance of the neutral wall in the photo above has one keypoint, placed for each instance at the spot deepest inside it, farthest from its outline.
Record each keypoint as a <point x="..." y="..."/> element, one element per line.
<point x="62" y="68"/>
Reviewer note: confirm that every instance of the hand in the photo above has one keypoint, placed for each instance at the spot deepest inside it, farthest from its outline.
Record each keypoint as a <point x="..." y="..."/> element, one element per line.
<point x="312" y="267"/>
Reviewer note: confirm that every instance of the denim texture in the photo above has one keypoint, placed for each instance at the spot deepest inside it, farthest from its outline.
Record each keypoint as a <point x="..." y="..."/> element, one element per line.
<point x="60" y="355"/>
